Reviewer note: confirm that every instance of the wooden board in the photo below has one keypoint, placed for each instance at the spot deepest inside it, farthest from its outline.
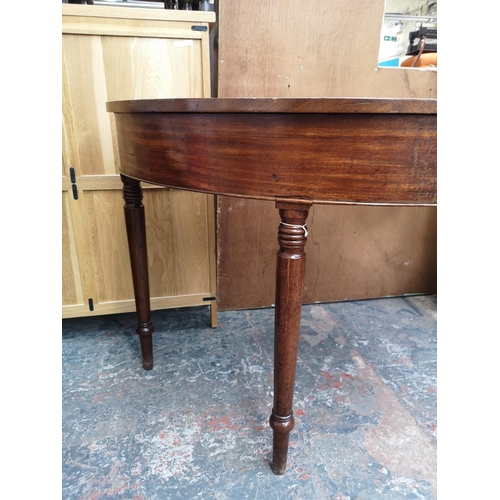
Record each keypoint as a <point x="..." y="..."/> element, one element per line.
<point x="314" y="49"/>
<point x="352" y="252"/>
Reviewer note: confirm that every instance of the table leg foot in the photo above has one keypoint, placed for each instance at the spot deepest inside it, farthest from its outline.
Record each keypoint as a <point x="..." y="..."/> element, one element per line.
<point x="145" y="331"/>
<point x="281" y="433"/>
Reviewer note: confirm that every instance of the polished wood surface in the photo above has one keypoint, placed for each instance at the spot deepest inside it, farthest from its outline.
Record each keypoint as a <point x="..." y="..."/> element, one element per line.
<point x="294" y="151"/>
<point x="290" y="267"/>
<point x="136" y="233"/>
<point x="294" y="105"/>
<point x="327" y="150"/>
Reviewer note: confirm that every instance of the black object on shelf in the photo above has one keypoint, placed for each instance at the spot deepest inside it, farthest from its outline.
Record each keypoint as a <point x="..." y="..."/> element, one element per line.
<point x="425" y="36"/>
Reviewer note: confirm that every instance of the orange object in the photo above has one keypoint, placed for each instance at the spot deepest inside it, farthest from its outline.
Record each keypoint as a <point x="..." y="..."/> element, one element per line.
<point x="422" y="61"/>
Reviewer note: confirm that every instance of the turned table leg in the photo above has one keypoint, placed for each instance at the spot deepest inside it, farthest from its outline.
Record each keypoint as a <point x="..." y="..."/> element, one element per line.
<point x="136" y="234"/>
<point x="292" y="237"/>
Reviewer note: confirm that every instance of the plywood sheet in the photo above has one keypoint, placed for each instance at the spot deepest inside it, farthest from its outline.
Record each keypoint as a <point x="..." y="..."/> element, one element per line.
<point x="352" y="252"/>
<point x="314" y="49"/>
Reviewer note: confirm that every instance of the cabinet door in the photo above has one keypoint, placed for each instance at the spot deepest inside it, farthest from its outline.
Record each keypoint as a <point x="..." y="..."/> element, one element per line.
<point x="100" y="67"/>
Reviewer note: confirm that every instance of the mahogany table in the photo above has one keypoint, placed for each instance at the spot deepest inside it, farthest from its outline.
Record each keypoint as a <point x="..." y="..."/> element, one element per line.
<point x="296" y="151"/>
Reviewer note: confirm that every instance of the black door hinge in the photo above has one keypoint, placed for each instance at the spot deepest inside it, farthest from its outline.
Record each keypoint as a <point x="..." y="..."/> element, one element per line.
<point x="74" y="187"/>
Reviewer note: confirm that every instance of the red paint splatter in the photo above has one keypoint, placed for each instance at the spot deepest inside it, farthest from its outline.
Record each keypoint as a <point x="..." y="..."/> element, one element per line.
<point x="332" y="382"/>
<point x="225" y="422"/>
<point x="302" y="475"/>
<point x="96" y="399"/>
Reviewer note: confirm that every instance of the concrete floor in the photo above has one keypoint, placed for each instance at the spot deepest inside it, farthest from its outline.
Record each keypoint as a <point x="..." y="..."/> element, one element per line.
<point x="196" y="426"/>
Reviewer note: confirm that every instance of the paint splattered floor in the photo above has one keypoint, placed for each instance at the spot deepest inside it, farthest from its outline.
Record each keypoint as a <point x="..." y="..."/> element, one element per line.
<point x="196" y="426"/>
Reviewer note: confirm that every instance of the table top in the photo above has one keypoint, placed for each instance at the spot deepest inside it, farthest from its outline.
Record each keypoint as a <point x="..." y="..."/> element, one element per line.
<point x="322" y="150"/>
<point x="276" y="105"/>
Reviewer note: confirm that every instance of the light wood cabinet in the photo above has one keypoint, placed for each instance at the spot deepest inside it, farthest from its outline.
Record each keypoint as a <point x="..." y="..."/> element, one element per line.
<point x="115" y="53"/>
<point x="318" y="49"/>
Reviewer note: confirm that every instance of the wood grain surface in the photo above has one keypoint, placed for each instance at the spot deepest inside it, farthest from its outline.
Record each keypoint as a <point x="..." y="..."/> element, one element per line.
<point x="315" y="49"/>
<point x="353" y="252"/>
<point x="296" y="105"/>
<point x="383" y="157"/>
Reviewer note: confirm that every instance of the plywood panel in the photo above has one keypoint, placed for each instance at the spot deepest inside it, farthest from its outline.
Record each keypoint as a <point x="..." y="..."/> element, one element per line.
<point x="355" y="252"/>
<point x="319" y="49"/>
<point x="352" y="252"/>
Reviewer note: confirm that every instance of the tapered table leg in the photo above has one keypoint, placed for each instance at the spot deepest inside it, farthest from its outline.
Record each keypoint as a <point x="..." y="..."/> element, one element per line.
<point x="136" y="234"/>
<point x="292" y="236"/>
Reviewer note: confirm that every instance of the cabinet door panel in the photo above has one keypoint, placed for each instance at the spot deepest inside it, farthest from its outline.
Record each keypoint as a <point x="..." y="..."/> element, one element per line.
<point x="177" y="235"/>
<point x="108" y="240"/>
<point x="178" y="242"/>
<point x="153" y="67"/>
<point x="88" y="144"/>
<point x="72" y="292"/>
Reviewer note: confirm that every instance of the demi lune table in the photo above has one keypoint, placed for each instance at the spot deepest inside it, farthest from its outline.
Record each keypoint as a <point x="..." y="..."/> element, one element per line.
<point x="295" y="151"/>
